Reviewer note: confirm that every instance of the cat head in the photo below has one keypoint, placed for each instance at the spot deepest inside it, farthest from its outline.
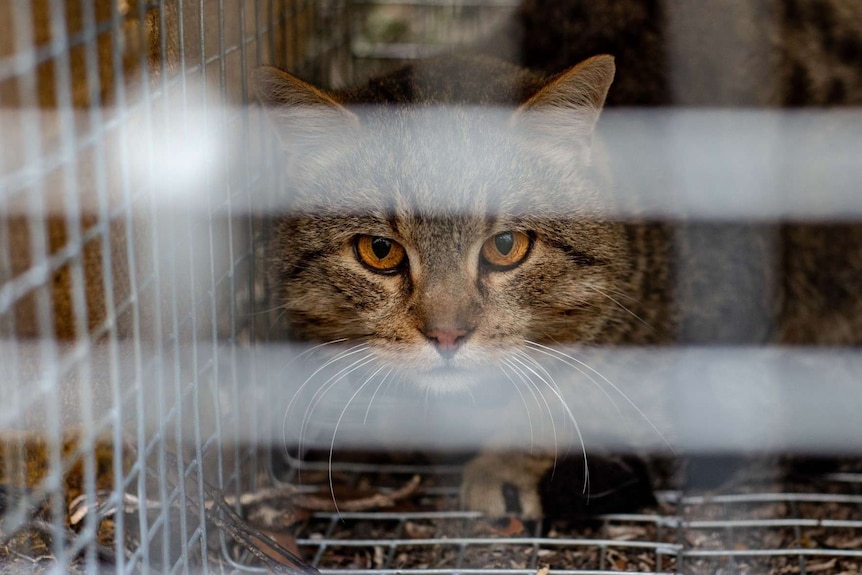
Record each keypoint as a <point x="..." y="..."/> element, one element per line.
<point x="445" y="235"/>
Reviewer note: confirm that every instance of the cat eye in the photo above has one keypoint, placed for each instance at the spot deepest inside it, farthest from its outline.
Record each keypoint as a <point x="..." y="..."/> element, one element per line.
<point x="506" y="250"/>
<point x="380" y="254"/>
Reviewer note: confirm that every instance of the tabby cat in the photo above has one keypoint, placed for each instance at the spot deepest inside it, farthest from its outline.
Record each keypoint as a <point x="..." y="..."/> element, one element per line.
<point x="464" y="217"/>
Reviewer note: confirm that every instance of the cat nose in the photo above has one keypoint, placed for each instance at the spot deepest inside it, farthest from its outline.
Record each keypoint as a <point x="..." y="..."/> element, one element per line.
<point x="447" y="341"/>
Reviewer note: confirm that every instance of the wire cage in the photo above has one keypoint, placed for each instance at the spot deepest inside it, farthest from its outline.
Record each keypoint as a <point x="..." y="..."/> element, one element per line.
<point x="131" y="303"/>
<point x="93" y="411"/>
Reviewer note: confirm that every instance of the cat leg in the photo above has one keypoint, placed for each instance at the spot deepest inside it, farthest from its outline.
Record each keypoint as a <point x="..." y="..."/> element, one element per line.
<point x="505" y="483"/>
<point x="533" y="486"/>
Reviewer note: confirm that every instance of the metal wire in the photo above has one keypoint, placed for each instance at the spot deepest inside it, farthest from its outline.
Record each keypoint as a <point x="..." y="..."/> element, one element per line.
<point x="71" y="140"/>
<point x="760" y="532"/>
<point x="82" y="78"/>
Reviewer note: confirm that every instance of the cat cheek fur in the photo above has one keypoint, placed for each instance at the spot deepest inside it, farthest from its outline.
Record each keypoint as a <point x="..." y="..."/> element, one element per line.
<point x="566" y="300"/>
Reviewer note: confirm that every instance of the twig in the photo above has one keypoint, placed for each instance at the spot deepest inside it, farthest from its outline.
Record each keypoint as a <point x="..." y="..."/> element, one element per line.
<point x="313" y="503"/>
<point x="225" y="518"/>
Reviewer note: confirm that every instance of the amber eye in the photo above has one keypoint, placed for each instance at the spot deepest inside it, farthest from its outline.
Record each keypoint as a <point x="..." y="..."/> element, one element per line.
<point x="380" y="254"/>
<point x="506" y="250"/>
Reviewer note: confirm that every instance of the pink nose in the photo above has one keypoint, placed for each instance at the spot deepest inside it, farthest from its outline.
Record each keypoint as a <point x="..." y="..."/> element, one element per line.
<point x="447" y="341"/>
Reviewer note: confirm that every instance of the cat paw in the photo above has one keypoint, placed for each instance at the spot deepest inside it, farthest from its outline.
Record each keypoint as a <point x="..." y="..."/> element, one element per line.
<point x="536" y="486"/>
<point x="505" y="483"/>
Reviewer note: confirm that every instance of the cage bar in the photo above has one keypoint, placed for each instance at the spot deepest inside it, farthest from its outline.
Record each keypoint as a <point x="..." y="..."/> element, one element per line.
<point x="129" y="325"/>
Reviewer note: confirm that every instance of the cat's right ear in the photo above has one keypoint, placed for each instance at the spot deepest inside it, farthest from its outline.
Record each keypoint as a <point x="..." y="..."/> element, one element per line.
<point x="562" y="115"/>
<point x="304" y="117"/>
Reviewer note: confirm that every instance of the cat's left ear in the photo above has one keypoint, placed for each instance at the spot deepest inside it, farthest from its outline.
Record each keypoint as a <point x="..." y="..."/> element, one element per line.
<point x="303" y="116"/>
<point x="564" y="112"/>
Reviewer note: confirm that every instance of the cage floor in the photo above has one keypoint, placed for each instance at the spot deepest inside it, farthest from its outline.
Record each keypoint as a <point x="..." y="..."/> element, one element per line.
<point x="811" y="526"/>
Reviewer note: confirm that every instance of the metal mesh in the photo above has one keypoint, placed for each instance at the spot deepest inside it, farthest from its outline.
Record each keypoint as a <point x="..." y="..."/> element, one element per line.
<point x="120" y="314"/>
<point x="756" y="528"/>
<point x="122" y="318"/>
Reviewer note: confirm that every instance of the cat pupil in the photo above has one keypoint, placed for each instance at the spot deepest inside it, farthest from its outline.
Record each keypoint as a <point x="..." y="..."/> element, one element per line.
<point x="381" y="247"/>
<point x="504" y="242"/>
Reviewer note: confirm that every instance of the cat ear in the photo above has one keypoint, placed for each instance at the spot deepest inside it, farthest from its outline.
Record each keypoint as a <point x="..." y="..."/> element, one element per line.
<point x="303" y="116"/>
<point x="563" y="113"/>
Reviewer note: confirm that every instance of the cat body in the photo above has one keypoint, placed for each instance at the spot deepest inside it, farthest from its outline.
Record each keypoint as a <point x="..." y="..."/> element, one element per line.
<point x="455" y="156"/>
<point x="741" y="53"/>
<point x="445" y="159"/>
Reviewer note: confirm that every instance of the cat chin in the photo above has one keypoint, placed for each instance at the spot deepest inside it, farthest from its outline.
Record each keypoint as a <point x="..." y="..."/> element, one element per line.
<point x="447" y="380"/>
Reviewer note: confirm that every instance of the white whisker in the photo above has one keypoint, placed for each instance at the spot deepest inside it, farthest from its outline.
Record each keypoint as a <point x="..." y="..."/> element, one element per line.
<point x="624" y="308"/>
<point x="335" y="432"/>
<point x="566" y="358"/>
<point x="534" y="392"/>
<point x="338" y="357"/>
<point x="472" y="397"/>
<point x="320" y="345"/>
<point x="524" y="402"/>
<point x="325" y="388"/>
<point x="267" y="310"/>
<point x="525" y="378"/>
<point x="556" y="392"/>
<point x="396" y="378"/>
<point x="371" y="401"/>
<point x="623" y="295"/>
<point x="274" y="323"/>
<point x="524" y="355"/>
<point x="582" y="372"/>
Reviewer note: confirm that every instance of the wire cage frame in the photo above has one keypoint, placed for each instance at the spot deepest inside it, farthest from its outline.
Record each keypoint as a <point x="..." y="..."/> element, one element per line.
<point x="750" y="529"/>
<point x="91" y="406"/>
<point x="124" y="321"/>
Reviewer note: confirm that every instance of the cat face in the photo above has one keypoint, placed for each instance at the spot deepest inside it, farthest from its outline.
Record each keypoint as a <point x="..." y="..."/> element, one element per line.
<point x="443" y="237"/>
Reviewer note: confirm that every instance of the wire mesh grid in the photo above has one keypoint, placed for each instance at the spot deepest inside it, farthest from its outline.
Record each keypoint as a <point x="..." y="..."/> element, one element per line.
<point x="114" y="353"/>
<point x="754" y="528"/>
<point x="94" y="413"/>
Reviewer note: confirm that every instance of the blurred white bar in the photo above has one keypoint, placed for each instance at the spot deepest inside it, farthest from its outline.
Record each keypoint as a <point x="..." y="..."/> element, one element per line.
<point x="737" y="164"/>
<point x="710" y="164"/>
<point x="701" y="399"/>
